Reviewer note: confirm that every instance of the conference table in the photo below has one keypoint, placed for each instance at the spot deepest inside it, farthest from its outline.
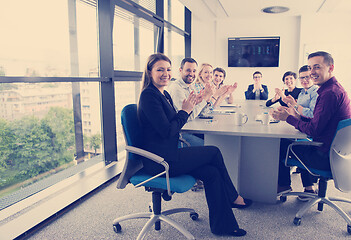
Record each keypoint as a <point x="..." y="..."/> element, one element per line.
<point x="250" y="151"/>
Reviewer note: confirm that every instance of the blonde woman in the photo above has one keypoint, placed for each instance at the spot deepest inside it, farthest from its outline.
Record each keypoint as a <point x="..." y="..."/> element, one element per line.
<point x="203" y="79"/>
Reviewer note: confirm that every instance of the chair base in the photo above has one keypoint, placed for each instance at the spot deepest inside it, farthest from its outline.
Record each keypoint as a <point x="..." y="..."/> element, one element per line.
<point x="153" y="219"/>
<point x="320" y="200"/>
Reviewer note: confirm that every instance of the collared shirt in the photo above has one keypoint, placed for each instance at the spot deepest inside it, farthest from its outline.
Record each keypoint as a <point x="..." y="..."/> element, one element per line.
<point x="332" y="106"/>
<point x="179" y="91"/>
<point x="307" y="99"/>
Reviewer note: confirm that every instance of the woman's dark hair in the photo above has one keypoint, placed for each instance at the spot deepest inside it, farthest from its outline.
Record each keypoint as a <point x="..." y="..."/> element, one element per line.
<point x="289" y="73"/>
<point x="218" y="69"/>
<point x="257" y="72"/>
<point x="152" y="59"/>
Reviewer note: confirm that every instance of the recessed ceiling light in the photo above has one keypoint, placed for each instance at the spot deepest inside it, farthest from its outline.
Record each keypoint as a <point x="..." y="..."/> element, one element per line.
<point x="275" y="9"/>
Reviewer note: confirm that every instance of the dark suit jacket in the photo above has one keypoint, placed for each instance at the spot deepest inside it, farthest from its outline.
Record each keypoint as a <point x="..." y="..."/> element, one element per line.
<point x="160" y="123"/>
<point x="251" y="95"/>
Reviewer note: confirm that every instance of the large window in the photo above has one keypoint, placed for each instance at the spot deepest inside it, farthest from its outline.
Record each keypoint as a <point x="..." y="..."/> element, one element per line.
<point x="63" y="71"/>
<point x="38" y="130"/>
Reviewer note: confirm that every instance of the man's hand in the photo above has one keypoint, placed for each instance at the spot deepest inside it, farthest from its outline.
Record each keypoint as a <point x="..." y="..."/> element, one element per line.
<point x="280" y="113"/>
<point x="289" y="100"/>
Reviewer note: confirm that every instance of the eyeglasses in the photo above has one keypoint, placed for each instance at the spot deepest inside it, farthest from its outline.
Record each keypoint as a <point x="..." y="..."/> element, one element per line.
<point x="257" y="77"/>
<point x="304" y="78"/>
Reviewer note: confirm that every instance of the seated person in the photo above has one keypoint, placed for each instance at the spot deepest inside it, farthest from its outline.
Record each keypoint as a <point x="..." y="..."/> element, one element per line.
<point x="257" y="91"/>
<point x="219" y="75"/>
<point x="161" y="125"/>
<point x="332" y="106"/>
<point x="289" y="79"/>
<point x="181" y="88"/>
<point x="307" y="98"/>
<point x="203" y="80"/>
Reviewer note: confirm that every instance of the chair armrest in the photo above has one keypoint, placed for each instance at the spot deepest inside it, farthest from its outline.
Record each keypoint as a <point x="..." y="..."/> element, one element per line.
<point x="184" y="141"/>
<point x="301" y="143"/>
<point x="155" y="158"/>
<point x="144" y="153"/>
<point x="306" y="143"/>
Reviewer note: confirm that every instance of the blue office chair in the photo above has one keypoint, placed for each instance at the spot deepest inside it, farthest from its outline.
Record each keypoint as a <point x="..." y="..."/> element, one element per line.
<point x="161" y="185"/>
<point x="340" y="163"/>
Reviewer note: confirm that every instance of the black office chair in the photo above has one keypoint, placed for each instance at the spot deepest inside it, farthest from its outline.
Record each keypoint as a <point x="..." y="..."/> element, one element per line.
<point x="340" y="163"/>
<point x="161" y="185"/>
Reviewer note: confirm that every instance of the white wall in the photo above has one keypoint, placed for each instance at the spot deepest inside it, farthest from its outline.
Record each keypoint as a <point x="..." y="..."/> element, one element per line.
<point x="288" y="30"/>
<point x="298" y="35"/>
<point x="328" y="32"/>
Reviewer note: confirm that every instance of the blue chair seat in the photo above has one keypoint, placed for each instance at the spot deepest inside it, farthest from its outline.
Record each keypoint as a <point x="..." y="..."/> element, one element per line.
<point x="323" y="173"/>
<point x="178" y="184"/>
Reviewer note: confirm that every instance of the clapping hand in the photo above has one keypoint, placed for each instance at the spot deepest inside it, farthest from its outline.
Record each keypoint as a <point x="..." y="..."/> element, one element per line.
<point x="190" y="102"/>
<point x="231" y="88"/>
<point x="289" y="100"/>
<point x="208" y="91"/>
<point x="280" y="113"/>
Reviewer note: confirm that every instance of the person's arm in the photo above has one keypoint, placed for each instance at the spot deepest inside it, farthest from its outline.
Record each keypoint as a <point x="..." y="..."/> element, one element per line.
<point x="249" y="94"/>
<point x="197" y="110"/>
<point x="272" y="101"/>
<point x="264" y="93"/>
<point x="230" y="98"/>
<point x="151" y="107"/>
<point x="323" y="112"/>
<point x="308" y="111"/>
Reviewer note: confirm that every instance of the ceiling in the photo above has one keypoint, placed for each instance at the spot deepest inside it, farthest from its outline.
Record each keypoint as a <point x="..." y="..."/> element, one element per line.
<point x="252" y="8"/>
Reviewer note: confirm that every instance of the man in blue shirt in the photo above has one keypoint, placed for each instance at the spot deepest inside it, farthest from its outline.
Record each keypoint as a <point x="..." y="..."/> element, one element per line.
<point x="307" y="98"/>
<point x="332" y="106"/>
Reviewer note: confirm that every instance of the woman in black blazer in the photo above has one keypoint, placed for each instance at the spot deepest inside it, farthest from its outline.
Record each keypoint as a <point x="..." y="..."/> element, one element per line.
<point x="161" y="124"/>
<point x="289" y="79"/>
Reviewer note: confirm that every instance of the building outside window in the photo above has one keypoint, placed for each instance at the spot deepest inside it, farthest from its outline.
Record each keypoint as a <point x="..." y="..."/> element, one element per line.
<point x="49" y="65"/>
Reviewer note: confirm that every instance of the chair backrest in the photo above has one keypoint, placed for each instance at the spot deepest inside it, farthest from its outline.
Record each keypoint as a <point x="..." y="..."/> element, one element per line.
<point x="133" y="137"/>
<point x="340" y="156"/>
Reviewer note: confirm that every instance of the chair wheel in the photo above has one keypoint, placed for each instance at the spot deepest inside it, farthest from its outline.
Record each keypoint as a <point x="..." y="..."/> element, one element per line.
<point x="349" y="229"/>
<point x="194" y="216"/>
<point x="297" y="221"/>
<point x="117" y="228"/>
<point x="283" y="198"/>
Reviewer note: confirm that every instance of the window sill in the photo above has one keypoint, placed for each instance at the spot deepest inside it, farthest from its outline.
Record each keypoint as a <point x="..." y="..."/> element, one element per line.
<point x="19" y="218"/>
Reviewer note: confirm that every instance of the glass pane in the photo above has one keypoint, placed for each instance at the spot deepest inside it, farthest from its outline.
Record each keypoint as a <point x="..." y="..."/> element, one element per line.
<point x="174" y="48"/>
<point x="37" y="136"/>
<point x="123" y="40"/>
<point x="35" y="39"/>
<point x="148" y="4"/>
<point x="133" y="41"/>
<point x="126" y="93"/>
<point x="174" y="12"/>
<point x="87" y="40"/>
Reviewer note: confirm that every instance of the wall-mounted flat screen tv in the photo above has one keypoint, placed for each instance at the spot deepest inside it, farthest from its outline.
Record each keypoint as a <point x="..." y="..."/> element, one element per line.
<point x="253" y="52"/>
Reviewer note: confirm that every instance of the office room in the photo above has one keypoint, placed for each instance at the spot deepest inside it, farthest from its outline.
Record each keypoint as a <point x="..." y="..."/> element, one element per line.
<point x="68" y="68"/>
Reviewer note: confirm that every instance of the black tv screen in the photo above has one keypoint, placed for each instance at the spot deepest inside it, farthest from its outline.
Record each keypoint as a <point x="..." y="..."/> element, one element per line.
<point x="253" y="52"/>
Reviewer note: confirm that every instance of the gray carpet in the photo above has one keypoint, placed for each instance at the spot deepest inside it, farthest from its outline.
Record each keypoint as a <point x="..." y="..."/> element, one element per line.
<point x="93" y="217"/>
